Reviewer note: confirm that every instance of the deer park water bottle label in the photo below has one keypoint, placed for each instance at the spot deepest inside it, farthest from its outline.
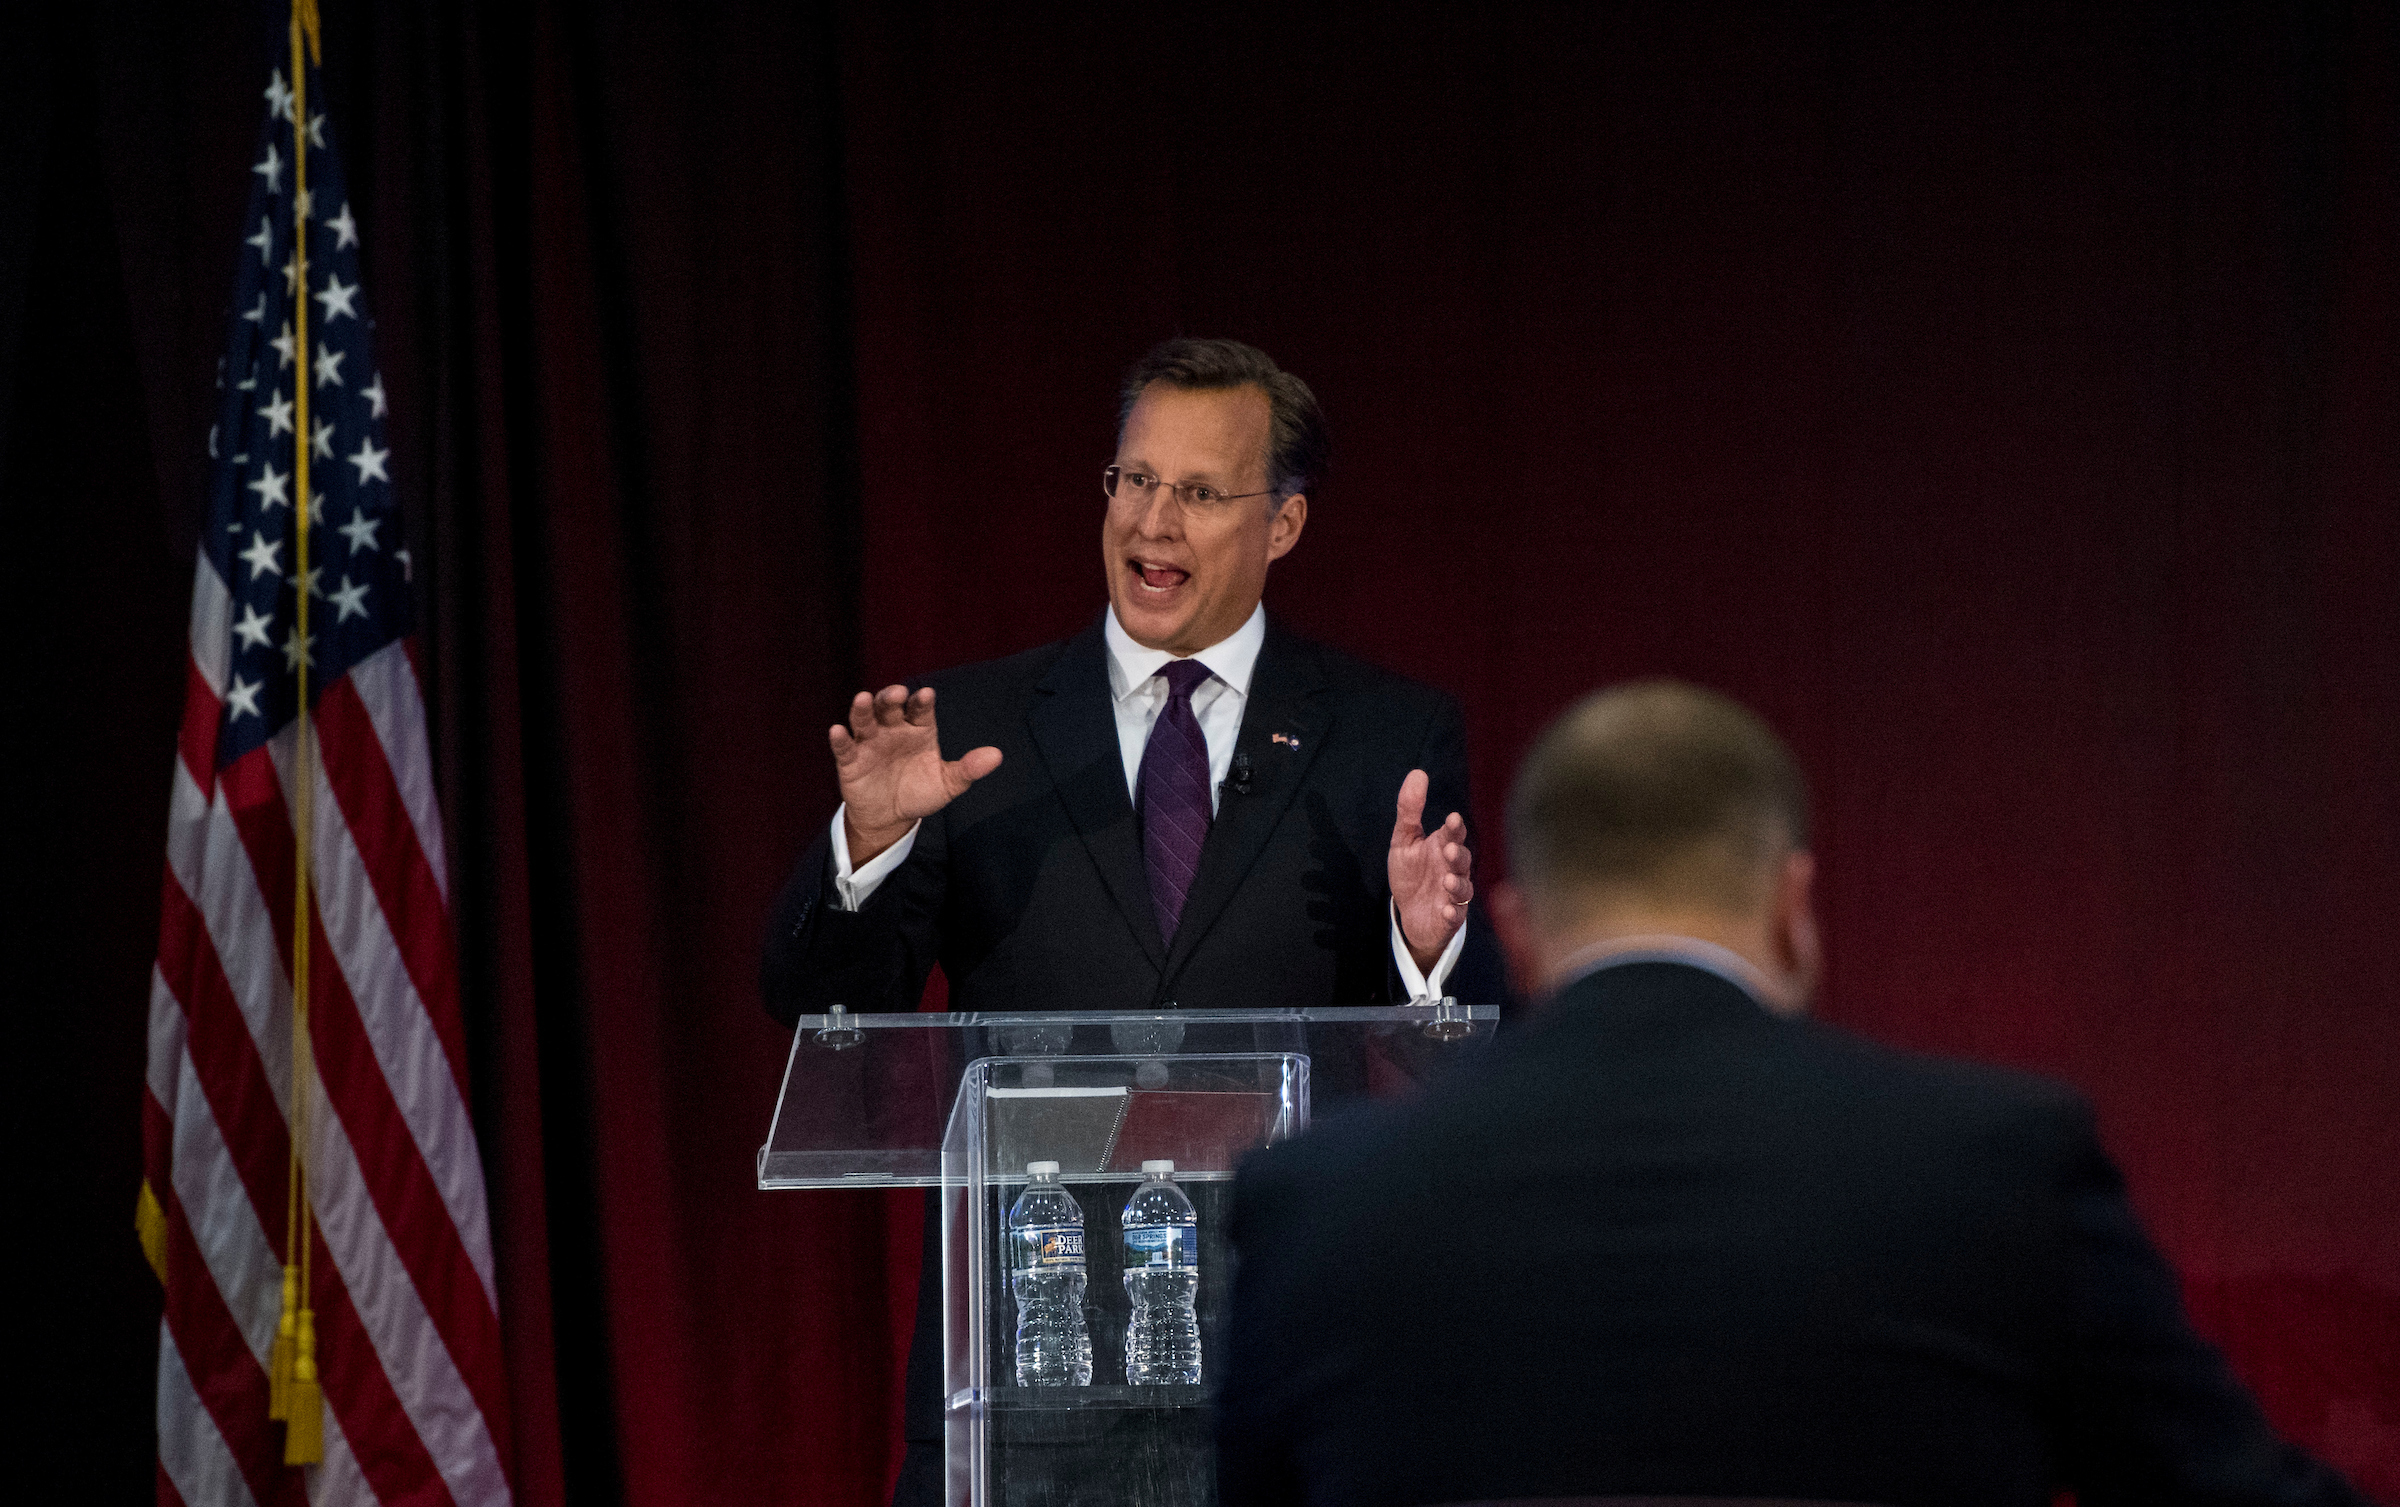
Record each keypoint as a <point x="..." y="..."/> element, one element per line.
<point x="1162" y="1247"/>
<point x="1048" y="1247"/>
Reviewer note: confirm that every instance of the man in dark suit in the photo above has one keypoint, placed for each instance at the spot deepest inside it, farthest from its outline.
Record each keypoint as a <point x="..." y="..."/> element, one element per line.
<point x="1675" y="1240"/>
<point x="1052" y="853"/>
<point x="1183" y="807"/>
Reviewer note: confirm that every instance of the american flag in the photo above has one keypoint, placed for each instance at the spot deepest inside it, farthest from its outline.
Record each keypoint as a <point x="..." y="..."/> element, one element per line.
<point x="407" y="1319"/>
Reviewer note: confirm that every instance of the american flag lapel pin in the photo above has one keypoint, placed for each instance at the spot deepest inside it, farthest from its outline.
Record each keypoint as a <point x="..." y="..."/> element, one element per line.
<point x="1287" y="740"/>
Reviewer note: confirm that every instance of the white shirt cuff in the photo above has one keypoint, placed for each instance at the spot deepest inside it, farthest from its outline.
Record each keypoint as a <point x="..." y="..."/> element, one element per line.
<point x="1418" y="985"/>
<point x="854" y="889"/>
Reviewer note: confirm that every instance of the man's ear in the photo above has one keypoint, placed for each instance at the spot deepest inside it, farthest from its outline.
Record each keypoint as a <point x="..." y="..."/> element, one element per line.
<point x="1799" y="946"/>
<point x="1283" y="530"/>
<point x="1512" y="919"/>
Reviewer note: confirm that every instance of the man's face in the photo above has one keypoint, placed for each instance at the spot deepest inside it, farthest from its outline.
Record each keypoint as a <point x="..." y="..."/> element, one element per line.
<point x="1184" y="577"/>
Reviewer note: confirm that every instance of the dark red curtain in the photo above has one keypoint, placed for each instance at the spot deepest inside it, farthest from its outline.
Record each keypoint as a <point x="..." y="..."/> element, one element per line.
<point x="2007" y="405"/>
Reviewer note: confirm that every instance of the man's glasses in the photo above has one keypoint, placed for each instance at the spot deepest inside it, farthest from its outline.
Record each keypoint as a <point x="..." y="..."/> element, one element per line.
<point x="1124" y="483"/>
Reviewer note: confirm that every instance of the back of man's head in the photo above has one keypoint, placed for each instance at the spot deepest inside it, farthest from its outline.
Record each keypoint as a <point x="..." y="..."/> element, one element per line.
<point x="1656" y="796"/>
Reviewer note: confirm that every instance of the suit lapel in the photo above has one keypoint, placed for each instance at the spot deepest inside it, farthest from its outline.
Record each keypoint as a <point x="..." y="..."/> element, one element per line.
<point x="1283" y="701"/>
<point x="1075" y="727"/>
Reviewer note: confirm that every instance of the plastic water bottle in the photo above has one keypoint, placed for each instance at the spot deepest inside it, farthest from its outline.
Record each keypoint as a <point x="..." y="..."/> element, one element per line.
<point x="1046" y="1276"/>
<point x="1162" y="1277"/>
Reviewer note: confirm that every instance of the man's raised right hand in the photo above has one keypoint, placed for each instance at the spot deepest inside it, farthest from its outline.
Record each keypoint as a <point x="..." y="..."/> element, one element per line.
<point x="890" y="765"/>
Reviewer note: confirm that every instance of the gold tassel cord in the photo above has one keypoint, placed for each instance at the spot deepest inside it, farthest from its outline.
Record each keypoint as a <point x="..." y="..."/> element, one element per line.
<point x="287" y="1324"/>
<point x="304" y="1435"/>
<point x="303" y="1409"/>
<point x="150" y="1226"/>
<point x="287" y="1334"/>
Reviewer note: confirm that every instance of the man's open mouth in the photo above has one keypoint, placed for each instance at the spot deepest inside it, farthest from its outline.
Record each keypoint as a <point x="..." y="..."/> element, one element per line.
<point x="1159" y="577"/>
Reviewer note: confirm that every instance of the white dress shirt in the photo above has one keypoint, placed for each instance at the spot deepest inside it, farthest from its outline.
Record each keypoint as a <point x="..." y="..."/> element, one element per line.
<point x="1139" y="694"/>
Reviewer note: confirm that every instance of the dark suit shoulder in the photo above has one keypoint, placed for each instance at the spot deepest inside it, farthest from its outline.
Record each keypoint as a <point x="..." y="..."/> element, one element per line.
<point x="1947" y="1089"/>
<point x="1012" y="677"/>
<point x="1349" y="675"/>
<point x="1888" y="1104"/>
<point x="1357" y="1136"/>
<point x="1006" y="678"/>
<point x="984" y="702"/>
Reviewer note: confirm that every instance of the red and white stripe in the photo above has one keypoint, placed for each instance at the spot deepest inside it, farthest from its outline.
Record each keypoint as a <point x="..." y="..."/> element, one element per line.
<point x="408" y="1329"/>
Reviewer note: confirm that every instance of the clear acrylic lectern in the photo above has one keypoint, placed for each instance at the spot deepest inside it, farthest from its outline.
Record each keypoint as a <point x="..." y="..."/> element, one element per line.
<point x="963" y="1102"/>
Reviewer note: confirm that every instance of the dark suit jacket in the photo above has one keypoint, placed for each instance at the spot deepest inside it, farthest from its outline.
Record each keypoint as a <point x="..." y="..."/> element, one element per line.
<point x="1030" y="891"/>
<point x="1665" y="1243"/>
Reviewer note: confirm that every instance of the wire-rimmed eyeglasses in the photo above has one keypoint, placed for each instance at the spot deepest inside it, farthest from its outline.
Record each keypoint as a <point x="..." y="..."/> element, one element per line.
<point x="1141" y="486"/>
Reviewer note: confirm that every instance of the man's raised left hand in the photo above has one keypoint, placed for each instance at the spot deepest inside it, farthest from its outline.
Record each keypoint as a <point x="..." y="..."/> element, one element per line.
<point x="1428" y="873"/>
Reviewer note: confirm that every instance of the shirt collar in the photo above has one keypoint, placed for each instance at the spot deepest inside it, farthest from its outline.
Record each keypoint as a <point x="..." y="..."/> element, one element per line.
<point x="1232" y="659"/>
<point x="1616" y="952"/>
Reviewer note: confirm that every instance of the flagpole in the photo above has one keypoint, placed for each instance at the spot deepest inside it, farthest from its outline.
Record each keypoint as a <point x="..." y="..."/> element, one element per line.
<point x="304" y="1403"/>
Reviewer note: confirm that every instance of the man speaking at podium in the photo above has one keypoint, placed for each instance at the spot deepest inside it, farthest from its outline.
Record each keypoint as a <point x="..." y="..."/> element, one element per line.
<point x="1183" y="806"/>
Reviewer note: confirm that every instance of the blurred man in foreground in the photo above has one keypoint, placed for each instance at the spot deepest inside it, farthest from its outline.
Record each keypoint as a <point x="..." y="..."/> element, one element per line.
<point x="1676" y="1240"/>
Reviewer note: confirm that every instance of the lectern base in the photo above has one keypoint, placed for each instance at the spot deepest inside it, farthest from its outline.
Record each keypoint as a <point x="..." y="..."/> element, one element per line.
<point x="1093" y="1446"/>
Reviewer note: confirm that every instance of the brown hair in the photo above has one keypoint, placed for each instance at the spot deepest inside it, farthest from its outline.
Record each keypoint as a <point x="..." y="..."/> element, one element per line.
<point x="1298" y="447"/>
<point x="1664" y="790"/>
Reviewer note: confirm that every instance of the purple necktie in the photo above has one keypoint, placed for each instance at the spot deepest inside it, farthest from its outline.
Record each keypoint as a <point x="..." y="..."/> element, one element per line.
<point x="1174" y="792"/>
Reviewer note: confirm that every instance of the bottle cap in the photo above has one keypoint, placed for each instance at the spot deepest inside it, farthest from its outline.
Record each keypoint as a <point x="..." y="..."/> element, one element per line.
<point x="1042" y="1169"/>
<point x="1150" y="1167"/>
